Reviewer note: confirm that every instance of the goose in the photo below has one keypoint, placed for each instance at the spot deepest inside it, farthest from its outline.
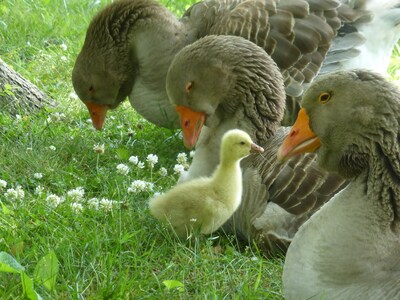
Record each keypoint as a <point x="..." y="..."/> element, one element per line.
<point x="206" y="203"/>
<point x="245" y="90"/>
<point x="349" y="249"/>
<point x="130" y="44"/>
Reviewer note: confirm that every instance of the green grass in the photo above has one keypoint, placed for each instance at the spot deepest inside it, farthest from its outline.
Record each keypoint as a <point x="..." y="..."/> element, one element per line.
<point x="119" y="254"/>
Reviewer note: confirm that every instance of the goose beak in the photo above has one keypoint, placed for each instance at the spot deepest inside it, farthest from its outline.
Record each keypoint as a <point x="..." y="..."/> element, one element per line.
<point x="300" y="139"/>
<point x="191" y="123"/>
<point x="97" y="114"/>
<point x="256" y="149"/>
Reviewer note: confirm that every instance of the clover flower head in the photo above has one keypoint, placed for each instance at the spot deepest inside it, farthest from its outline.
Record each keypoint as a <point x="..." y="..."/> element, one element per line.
<point x="138" y="186"/>
<point x="54" y="200"/>
<point x="122" y="169"/>
<point x="179" y="169"/>
<point x="93" y="203"/>
<point x="73" y="96"/>
<point x="163" y="172"/>
<point x="107" y="204"/>
<point x="15" y="194"/>
<point x="38" y="175"/>
<point x="39" y="190"/>
<point x="181" y="158"/>
<point x="3" y="184"/>
<point x="63" y="47"/>
<point x="99" y="148"/>
<point x="134" y="160"/>
<point x="76" y="194"/>
<point x="55" y="117"/>
<point x="152" y="159"/>
<point x="77" y="207"/>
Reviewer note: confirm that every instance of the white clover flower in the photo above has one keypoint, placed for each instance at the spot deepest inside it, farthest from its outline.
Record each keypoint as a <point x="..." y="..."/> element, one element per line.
<point x="54" y="200"/>
<point x="179" y="169"/>
<point x="138" y="186"/>
<point x="3" y="184"/>
<point x="73" y="96"/>
<point x="76" y="194"/>
<point x="63" y="58"/>
<point x="181" y="158"/>
<point x="106" y="204"/>
<point x="63" y="47"/>
<point x="15" y="194"/>
<point x="131" y="132"/>
<point x="77" y="207"/>
<point x="53" y="148"/>
<point x="56" y="117"/>
<point x="89" y="121"/>
<point x="191" y="153"/>
<point x="134" y="160"/>
<point x="140" y="165"/>
<point x="152" y="159"/>
<point x="122" y="169"/>
<point x="93" y="203"/>
<point x="38" y="175"/>
<point x="39" y="190"/>
<point x="99" y="148"/>
<point x="163" y="172"/>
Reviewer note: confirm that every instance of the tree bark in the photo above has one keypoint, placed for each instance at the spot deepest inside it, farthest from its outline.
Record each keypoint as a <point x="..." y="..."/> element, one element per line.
<point x="18" y="95"/>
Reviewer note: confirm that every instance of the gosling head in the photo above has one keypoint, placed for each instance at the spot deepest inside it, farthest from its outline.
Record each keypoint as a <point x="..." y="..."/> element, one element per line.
<point x="237" y="144"/>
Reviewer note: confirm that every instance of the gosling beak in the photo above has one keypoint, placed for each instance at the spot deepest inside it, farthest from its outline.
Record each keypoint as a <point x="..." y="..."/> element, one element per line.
<point x="191" y="123"/>
<point x="256" y="149"/>
<point x="97" y="114"/>
<point x="300" y="139"/>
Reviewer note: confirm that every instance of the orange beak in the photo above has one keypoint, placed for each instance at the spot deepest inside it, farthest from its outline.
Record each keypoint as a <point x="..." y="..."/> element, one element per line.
<point x="191" y="123"/>
<point x="300" y="139"/>
<point x="97" y="114"/>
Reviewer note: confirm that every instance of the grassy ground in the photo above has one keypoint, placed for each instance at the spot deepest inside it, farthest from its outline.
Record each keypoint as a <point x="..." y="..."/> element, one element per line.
<point x="77" y="232"/>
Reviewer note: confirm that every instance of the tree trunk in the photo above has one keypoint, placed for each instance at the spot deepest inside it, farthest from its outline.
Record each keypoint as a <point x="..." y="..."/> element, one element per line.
<point x="18" y="95"/>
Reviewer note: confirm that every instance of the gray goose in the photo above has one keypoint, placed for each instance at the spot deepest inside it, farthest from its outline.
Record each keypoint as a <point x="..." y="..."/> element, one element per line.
<point x="130" y="44"/>
<point x="349" y="249"/>
<point x="245" y="90"/>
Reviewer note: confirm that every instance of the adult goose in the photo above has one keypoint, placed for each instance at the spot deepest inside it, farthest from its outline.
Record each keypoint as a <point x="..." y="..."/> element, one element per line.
<point x="349" y="249"/>
<point x="245" y="90"/>
<point x="130" y="44"/>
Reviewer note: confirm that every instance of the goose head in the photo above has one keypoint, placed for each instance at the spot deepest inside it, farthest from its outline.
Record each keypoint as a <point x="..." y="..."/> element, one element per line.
<point x="237" y="144"/>
<point x="210" y="79"/>
<point x="103" y="74"/>
<point x="348" y="118"/>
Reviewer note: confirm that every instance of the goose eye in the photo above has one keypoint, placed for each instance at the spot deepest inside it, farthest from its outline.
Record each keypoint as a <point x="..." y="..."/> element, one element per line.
<point x="189" y="86"/>
<point x="324" y="97"/>
<point x="242" y="143"/>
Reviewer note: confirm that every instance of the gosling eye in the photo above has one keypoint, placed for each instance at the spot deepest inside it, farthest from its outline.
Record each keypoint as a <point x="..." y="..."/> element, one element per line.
<point x="324" y="97"/>
<point x="242" y="143"/>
